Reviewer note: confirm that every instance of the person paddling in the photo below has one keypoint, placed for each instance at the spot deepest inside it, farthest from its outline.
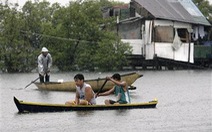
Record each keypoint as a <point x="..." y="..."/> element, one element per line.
<point x="120" y="90"/>
<point x="44" y="65"/>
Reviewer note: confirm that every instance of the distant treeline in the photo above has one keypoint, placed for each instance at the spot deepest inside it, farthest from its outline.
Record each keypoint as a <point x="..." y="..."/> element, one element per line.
<point x="76" y="35"/>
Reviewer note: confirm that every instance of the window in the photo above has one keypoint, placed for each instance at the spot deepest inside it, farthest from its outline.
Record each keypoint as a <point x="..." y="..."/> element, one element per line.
<point x="163" y="34"/>
<point x="183" y="34"/>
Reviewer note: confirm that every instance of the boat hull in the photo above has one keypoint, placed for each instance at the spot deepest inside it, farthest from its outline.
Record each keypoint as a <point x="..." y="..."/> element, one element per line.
<point x="95" y="83"/>
<point x="26" y="107"/>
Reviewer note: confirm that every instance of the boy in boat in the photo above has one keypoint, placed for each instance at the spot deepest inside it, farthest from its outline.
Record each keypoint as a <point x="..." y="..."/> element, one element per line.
<point x="84" y="93"/>
<point x="120" y="90"/>
<point x="44" y="64"/>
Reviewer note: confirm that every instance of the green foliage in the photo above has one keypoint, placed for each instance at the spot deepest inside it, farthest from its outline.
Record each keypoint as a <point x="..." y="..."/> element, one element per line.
<point x="90" y="42"/>
<point x="205" y="7"/>
<point x="73" y="35"/>
<point x="15" y="53"/>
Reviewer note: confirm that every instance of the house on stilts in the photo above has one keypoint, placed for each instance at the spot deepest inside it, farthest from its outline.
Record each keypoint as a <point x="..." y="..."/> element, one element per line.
<point x="162" y="33"/>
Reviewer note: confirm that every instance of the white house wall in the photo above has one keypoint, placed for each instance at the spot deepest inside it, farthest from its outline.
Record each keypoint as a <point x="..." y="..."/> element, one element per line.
<point x="148" y="32"/>
<point x="148" y="45"/>
<point x="182" y="25"/>
<point x="149" y="51"/>
<point x="182" y="53"/>
<point x="165" y="50"/>
<point x="137" y="45"/>
<point x="163" y="23"/>
<point x="171" y="23"/>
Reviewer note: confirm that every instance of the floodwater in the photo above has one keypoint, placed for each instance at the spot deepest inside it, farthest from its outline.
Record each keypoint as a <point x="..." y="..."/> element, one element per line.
<point x="184" y="105"/>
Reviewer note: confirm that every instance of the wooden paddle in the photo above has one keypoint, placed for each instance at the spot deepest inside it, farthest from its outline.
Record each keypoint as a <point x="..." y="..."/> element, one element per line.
<point x="32" y="82"/>
<point x="101" y="88"/>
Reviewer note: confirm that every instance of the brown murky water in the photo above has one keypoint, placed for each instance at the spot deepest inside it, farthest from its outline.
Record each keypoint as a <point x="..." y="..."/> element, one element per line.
<point x="185" y="104"/>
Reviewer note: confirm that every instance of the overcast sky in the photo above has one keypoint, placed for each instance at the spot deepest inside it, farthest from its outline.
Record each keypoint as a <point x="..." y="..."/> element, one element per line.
<point x="62" y="2"/>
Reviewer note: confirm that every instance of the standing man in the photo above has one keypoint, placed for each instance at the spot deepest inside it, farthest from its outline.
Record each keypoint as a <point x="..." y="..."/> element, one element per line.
<point x="120" y="90"/>
<point x="84" y="93"/>
<point x="44" y="64"/>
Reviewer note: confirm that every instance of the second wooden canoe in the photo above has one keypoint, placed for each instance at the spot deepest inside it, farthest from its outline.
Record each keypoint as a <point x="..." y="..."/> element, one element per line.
<point x="96" y="84"/>
<point x="26" y="107"/>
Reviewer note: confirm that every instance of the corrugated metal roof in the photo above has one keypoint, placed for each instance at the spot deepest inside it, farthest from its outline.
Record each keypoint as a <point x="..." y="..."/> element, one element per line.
<point x="179" y="10"/>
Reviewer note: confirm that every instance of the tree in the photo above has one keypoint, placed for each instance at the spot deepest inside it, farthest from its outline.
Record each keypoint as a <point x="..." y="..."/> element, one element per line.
<point x="19" y="38"/>
<point x="206" y="8"/>
<point x="81" y="23"/>
<point x="13" y="50"/>
<point x="73" y="35"/>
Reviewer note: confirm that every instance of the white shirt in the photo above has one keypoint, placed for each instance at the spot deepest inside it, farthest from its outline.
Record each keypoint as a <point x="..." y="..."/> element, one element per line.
<point x="81" y="92"/>
<point x="44" y="63"/>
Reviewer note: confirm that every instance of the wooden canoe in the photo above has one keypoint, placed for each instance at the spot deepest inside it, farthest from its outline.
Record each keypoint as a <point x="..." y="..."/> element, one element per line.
<point x="96" y="84"/>
<point x="26" y="107"/>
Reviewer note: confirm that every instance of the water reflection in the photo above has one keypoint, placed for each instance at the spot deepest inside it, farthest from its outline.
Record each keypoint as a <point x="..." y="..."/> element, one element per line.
<point x="14" y="88"/>
<point x="84" y="113"/>
<point x="122" y="112"/>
